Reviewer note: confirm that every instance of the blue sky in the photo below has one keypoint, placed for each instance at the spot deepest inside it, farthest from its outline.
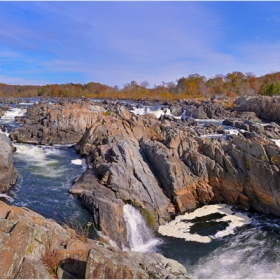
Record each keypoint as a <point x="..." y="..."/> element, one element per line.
<point x="116" y="42"/>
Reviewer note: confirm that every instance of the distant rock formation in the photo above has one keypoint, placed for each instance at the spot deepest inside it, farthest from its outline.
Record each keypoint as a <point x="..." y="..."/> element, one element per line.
<point x="266" y="108"/>
<point x="61" y="123"/>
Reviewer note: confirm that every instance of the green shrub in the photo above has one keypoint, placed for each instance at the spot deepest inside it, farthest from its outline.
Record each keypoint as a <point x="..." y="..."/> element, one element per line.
<point x="107" y="113"/>
<point x="273" y="160"/>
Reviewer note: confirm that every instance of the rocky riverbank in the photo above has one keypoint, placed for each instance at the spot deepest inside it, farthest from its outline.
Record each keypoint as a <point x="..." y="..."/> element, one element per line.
<point x="32" y="247"/>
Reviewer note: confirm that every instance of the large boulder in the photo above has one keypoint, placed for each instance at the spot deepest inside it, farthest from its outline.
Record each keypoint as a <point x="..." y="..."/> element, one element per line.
<point x="60" y="123"/>
<point x="8" y="174"/>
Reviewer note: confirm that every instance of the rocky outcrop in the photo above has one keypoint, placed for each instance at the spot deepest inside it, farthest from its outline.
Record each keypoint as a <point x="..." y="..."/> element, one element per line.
<point x="184" y="168"/>
<point x="8" y="174"/>
<point x="200" y="109"/>
<point x="61" y="123"/>
<point x="119" y="173"/>
<point x="267" y="108"/>
<point x="32" y="247"/>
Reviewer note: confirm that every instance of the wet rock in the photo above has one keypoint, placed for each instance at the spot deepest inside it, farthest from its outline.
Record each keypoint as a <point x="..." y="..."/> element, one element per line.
<point x="8" y="174"/>
<point x="228" y="122"/>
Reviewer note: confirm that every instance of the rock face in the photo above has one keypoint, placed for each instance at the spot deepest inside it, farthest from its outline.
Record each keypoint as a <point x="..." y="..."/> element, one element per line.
<point x="200" y="109"/>
<point x="61" y="123"/>
<point x="32" y="247"/>
<point x="267" y="108"/>
<point x="8" y="174"/>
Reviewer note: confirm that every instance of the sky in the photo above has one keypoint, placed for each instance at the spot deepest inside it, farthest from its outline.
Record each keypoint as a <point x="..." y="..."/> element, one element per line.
<point x="114" y="43"/>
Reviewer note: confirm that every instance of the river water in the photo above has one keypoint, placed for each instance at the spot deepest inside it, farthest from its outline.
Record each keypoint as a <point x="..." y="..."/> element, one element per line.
<point x="250" y="250"/>
<point x="45" y="175"/>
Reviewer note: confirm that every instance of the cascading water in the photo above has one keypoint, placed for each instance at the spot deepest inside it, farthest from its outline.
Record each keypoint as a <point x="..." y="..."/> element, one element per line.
<point x="139" y="236"/>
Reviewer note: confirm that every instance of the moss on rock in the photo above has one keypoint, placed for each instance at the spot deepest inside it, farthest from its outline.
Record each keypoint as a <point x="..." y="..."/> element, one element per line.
<point x="146" y="214"/>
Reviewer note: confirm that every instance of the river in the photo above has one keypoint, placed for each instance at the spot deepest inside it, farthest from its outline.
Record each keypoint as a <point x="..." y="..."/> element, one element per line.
<point x="251" y="250"/>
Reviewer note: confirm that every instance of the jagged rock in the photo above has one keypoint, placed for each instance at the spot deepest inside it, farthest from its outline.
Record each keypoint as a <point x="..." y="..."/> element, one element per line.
<point x="151" y="265"/>
<point x="267" y="108"/>
<point x="63" y="123"/>
<point x="8" y="174"/>
<point x="205" y="110"/>
<point x="176" y="109"/>
<point x="120" y="171"/>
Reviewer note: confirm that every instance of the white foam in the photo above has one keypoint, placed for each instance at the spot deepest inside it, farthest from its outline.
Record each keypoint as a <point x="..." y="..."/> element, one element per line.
<point x="31" y="152"/>
<point x="139" y="111"/>
<point x="232" y="131"/>
<point x="202" y="122"/>
<point x="248" y="255"/>
<point x="7" y="197"/>
<point x="237" y="220"/>
<point x="4" y="132"/>
<point x="152" y="110"/>
<point x="37" y="158"/>
<point x="180" y="229"/>
<point x="212" y="135"/>
<point x="26" y="103"/>
<point x="14" y="112"/>
<point x="276" y="141"/>
<point x="77" y="161"/>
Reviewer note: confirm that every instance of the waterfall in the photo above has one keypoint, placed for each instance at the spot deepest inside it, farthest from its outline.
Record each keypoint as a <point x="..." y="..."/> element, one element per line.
<point x="139" y="236"/>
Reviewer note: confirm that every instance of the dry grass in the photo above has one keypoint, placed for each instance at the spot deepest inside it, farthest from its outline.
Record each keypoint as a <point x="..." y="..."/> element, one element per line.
<point x="81" y="230"/>
<point x="51" y="261"/>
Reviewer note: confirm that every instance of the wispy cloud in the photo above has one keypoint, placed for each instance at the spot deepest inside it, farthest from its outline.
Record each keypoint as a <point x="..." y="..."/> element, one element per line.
<point x="116" y="42"/>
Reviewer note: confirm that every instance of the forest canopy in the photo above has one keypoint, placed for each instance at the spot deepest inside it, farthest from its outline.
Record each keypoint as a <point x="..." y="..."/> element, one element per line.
<point x="233" y="84"/>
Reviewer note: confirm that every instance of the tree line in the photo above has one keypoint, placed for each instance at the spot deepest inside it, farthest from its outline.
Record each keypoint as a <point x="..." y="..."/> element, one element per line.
<point x="233" y="84"/>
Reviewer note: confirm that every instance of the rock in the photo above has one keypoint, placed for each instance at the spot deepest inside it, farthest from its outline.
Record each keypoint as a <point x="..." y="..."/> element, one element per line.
<point x="56" y="124"/>
<point x="8" y="174"/>
<point x="107" y="214"/>
<point x="151" y="265"/>
<point x="228" y="122"/>
<point x="176" y="109"/>
<point x="265" y="107"/>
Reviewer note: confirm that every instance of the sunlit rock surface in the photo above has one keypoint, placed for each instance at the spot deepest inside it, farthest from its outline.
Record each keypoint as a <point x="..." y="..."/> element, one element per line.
<point x="33" y="247"/>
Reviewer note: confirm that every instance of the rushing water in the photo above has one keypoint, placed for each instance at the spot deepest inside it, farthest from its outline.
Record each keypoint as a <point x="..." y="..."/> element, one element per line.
<point x="45" y="173"/>
<point x="139" y="236"/>
<point x="251" y="250"/>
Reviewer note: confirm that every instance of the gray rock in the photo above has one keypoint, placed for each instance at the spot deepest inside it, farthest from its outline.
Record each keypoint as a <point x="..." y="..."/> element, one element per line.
<point x="8" y="174"/>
